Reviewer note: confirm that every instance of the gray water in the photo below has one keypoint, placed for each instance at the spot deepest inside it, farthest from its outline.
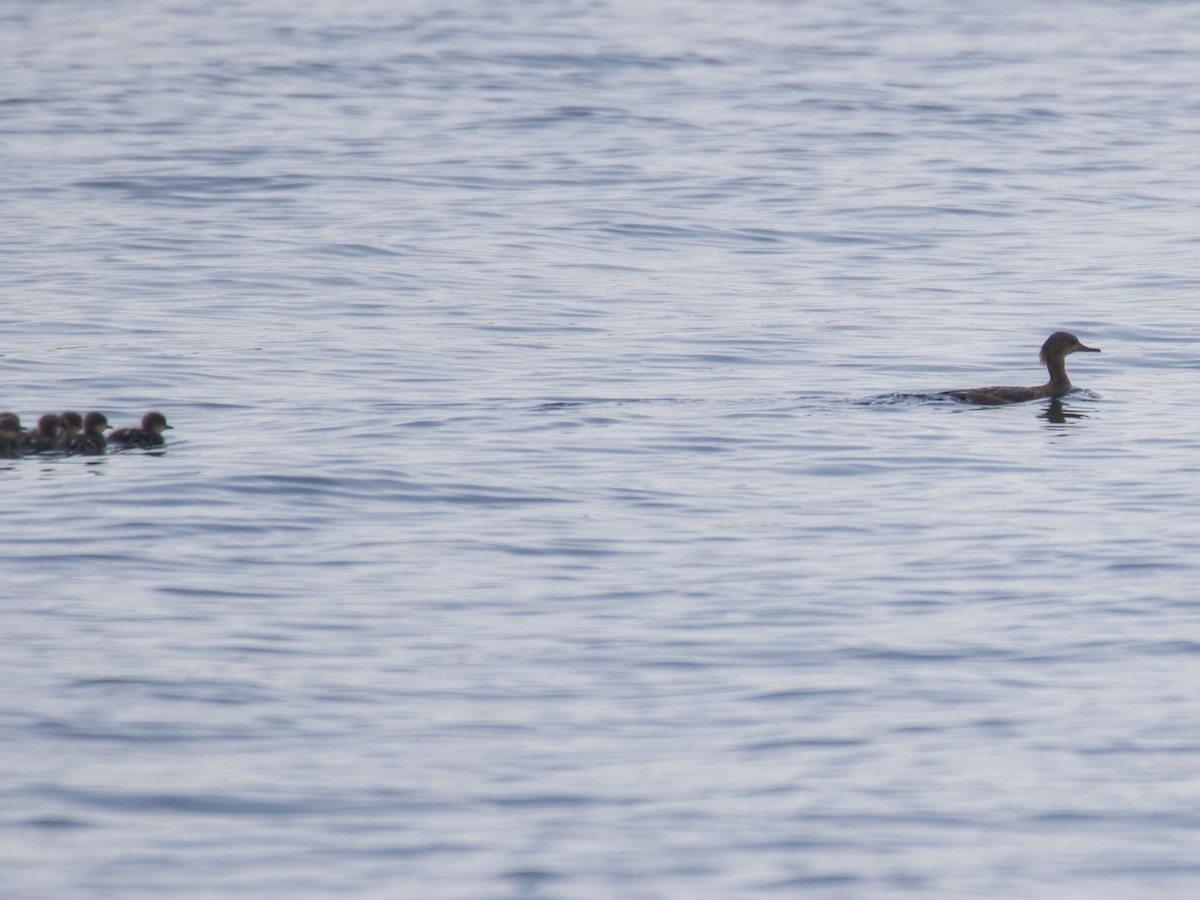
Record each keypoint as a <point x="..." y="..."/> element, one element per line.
<point x="551" y="509"/>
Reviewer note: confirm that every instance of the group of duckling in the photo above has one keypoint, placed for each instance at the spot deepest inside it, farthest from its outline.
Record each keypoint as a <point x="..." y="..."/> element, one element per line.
<point x="70" y="433"/>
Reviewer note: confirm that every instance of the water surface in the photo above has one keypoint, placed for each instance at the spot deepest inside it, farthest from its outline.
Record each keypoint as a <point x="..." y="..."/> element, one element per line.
<point x="548" y="511"/>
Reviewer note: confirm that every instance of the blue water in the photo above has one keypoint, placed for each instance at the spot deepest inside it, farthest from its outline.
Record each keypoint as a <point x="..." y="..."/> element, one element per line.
<point x="551" y="510"/>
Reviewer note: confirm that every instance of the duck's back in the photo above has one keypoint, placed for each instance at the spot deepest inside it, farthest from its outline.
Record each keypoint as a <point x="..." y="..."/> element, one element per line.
<point x="135" y="437"/>
<point x="86" y="444"/>
<point x="999" y="395"/>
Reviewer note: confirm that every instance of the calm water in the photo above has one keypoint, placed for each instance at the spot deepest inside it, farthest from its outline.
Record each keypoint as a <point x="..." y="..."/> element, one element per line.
<point x="541" y="518"/>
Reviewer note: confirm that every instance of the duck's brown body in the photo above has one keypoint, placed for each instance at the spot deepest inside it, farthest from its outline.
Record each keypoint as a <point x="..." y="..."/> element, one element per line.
<point x="1054" y="356"/>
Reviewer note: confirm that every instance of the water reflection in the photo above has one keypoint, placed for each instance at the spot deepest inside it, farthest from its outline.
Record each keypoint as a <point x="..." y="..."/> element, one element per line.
<point x="1054" y="412"/>
<point x="1057" y="415"/>
<point x="44" y="467"/>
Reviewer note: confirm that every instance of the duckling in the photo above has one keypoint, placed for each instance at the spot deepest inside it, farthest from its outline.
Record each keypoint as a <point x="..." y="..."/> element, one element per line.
<point x="72" y="424"/>
<point x="44" y="437"/>
<point x="1053" y="356"/>
<point x="10" y="435"/>
<point x="149" y="435"/>
<point x="90" y="441"/>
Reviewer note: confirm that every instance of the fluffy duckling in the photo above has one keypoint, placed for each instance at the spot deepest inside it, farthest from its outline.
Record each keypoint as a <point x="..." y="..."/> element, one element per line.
<point x="44" y="437"/>
<point x="72" y="424"/>
<point x="149" y="435"/>
<point x="10" y="435"/>
<point x="90" y="441"/>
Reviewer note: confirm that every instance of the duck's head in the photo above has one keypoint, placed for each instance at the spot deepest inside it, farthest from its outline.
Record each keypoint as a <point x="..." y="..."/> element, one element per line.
<point x="72" y="422"/>
<point x="94" y="423"/>
<point x="155" y="423"/>
<point x="1062" y="343"/>
<point x="49" y="425"/>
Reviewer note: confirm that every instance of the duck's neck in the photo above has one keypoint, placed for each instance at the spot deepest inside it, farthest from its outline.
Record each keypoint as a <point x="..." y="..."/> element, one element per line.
<point x="1059" y="383"/>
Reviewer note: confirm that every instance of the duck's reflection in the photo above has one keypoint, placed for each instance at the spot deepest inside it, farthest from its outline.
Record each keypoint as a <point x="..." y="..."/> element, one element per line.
<point x="1055" y="413"/>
